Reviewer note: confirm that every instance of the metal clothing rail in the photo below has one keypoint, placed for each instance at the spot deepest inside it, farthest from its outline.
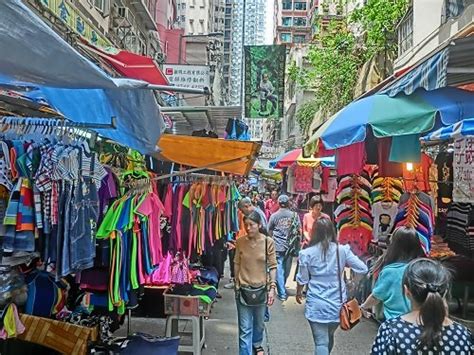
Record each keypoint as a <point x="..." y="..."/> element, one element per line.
<point x="194" y="170"/>
<point x="57" y="122"/>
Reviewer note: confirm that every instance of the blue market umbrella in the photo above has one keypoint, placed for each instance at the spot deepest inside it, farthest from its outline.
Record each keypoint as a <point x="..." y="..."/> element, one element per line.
<point x="464" y="128"/>
<point x="395" y="116"/>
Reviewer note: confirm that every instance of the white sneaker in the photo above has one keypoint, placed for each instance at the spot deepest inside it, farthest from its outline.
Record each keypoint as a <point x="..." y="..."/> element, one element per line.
<point x="230" y="285"/>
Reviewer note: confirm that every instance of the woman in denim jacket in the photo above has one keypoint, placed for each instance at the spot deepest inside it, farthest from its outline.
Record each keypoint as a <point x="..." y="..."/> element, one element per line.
<point x="318" y="269"/>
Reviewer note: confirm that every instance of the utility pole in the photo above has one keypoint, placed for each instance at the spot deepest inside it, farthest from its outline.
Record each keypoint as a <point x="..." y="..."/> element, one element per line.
<point x="242" y="68"/>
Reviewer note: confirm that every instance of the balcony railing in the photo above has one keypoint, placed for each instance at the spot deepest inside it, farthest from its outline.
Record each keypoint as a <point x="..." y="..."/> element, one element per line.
<point x="454" y="8"/>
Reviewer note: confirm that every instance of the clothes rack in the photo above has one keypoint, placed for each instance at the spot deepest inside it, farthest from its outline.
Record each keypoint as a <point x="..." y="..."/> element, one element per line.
<point x="56" y="122"/>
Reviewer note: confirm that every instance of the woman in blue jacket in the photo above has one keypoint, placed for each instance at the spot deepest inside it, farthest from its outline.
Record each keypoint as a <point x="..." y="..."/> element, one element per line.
<point x="318" y="269"/>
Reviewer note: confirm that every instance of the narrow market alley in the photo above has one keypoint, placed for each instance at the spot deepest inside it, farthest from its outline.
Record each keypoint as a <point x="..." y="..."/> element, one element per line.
<point x="288" y="330"/>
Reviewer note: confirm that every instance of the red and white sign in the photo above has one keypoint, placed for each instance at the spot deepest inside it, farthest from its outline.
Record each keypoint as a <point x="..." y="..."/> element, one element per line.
<point x="188" y="76"/>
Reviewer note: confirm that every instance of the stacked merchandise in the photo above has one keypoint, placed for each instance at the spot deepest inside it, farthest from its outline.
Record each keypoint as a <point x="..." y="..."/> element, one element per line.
<point x="353" y="216"/>
<point x="440" y="249"/>
<point x="460" y="228"/>
<point x="415" y="210"/>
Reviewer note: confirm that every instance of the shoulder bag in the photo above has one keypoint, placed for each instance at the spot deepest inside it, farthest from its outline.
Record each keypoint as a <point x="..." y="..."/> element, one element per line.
<point x="254" y="296"/>
<point x="294" y="239"/>
<point x="350" y="314"/>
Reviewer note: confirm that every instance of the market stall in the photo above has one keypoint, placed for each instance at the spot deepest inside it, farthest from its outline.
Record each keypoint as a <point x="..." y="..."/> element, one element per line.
<point x="85" y="225"/>
<point x="388" y="177"/>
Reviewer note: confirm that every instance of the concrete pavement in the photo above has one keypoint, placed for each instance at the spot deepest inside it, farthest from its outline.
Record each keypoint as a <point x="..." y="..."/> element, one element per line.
<point x="288" y="330"/>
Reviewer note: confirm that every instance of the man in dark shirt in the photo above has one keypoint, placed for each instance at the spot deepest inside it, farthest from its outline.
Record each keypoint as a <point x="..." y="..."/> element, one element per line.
<point x="279" y="228"/>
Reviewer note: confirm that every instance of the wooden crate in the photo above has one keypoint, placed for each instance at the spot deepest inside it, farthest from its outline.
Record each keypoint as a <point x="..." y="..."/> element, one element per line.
<point x="185" y="305"/>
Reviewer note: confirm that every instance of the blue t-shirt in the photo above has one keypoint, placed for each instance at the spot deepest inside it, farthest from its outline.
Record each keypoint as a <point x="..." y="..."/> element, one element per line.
<point x="389" y="289"/>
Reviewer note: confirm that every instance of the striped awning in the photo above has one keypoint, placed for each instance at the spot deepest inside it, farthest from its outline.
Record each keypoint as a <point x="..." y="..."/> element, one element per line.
<point x="430" y="75"/>
<point x="462" y="128"/>
<point x="453" y="65"/>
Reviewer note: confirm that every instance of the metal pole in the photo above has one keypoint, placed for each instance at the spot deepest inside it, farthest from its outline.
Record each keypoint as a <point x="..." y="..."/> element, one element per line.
<point x="180" y="47"/>
<point x="242" y="67"/>
<point x="204" y="91"/>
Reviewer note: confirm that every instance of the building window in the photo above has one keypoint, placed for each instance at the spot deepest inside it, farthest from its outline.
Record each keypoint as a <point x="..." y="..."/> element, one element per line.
<point x="299" y="38"/>
<point x="287" y="5"/>
<point x="299" y="21"/>
<point x="99" y="5"/>
<point x="183" y="6"/>
<point x="228" y="11"/>
<point x="285" y="37"/>
<point x="405" y="33"/>
<point x="300" y="5"/>
<point x="286" y="21"/>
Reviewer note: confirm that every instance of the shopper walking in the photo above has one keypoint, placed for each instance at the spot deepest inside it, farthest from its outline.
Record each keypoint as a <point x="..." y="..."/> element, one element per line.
<point x="271" y="205"/>
<point x="318" y="269"/>
<point x="255" y="268"/>
<point x="245" y="209"/>
<point x="427" y="329"/>
<point x="315" y="213"/>
<point x="404" y="247"/>
<point x="280" y="228"/>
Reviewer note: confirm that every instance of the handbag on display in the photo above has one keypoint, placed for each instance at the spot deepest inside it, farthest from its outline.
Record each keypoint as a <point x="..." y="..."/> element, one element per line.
<point x="162" y="274"/>
<point x="254" y="296"/>
<point x="350" y="313"/>
<point x="294" y="239"/>
<point x="180" y="270"/>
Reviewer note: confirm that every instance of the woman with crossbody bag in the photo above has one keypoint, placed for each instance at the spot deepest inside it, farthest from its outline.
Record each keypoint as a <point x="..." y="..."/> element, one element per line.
<point x="255" y="273"/>
<point x="326" y="295"/>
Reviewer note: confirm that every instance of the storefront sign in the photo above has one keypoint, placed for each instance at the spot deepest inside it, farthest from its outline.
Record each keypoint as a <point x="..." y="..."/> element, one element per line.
<point x="463" y="165"/>
<point x="268" y="152"/>
<point x="188" y="76"/>
<point x="75" y="21"/>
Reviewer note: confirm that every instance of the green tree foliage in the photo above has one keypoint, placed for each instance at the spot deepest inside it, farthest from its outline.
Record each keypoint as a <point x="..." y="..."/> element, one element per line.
<point x="333" y="68"/>
<point x="378" y="19"/>
<point x="337" y="55"/>
<point x="305" y="114"/>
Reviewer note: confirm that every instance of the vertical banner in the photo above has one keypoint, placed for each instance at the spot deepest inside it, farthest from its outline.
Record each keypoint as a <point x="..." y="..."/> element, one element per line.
<point x="264" y="81"/>
<point x="463" y="166"/>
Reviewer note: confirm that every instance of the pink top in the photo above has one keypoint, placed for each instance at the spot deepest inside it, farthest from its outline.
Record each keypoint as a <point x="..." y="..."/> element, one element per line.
<point x="271" y="207"/>
<point x="308" y="221"/>
<point x="153" y="208"/>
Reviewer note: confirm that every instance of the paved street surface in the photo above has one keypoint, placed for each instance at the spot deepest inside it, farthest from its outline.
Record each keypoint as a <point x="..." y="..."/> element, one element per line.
<point x="288" y="330"/>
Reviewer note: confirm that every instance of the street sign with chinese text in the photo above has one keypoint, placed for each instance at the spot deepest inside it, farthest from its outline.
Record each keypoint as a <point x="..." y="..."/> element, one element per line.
<point x="188" y="76"/>
<point x="463" y="166"/>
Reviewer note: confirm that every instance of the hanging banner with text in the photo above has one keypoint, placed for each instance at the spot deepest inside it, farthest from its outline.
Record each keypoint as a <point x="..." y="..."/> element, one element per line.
<point x="187" y="75"/>
<point x="463" y="165"/>
<point x="264" y="81"/>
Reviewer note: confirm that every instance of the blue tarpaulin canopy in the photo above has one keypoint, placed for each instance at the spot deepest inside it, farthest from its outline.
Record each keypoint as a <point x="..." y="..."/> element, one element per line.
<point x="464" y="128"/>
<point x="36" y="59"/>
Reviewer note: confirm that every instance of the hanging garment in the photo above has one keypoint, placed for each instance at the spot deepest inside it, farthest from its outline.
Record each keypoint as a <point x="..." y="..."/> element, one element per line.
<point x="384" y="214"/>
<point x="418" y="177"/>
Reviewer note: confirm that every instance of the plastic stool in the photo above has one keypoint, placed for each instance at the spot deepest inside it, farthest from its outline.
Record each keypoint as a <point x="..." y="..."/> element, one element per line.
<point x="198" y="332"/>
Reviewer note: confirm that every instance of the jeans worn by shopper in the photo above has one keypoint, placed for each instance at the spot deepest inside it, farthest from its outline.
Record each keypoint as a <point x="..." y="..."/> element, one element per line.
<point x="251" y="327"/>
<point x="323" y="335"/>
<point x="283" y="271"/>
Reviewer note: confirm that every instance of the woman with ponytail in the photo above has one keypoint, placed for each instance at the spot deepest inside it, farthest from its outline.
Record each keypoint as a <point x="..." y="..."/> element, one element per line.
<point x="427" y="329"/>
